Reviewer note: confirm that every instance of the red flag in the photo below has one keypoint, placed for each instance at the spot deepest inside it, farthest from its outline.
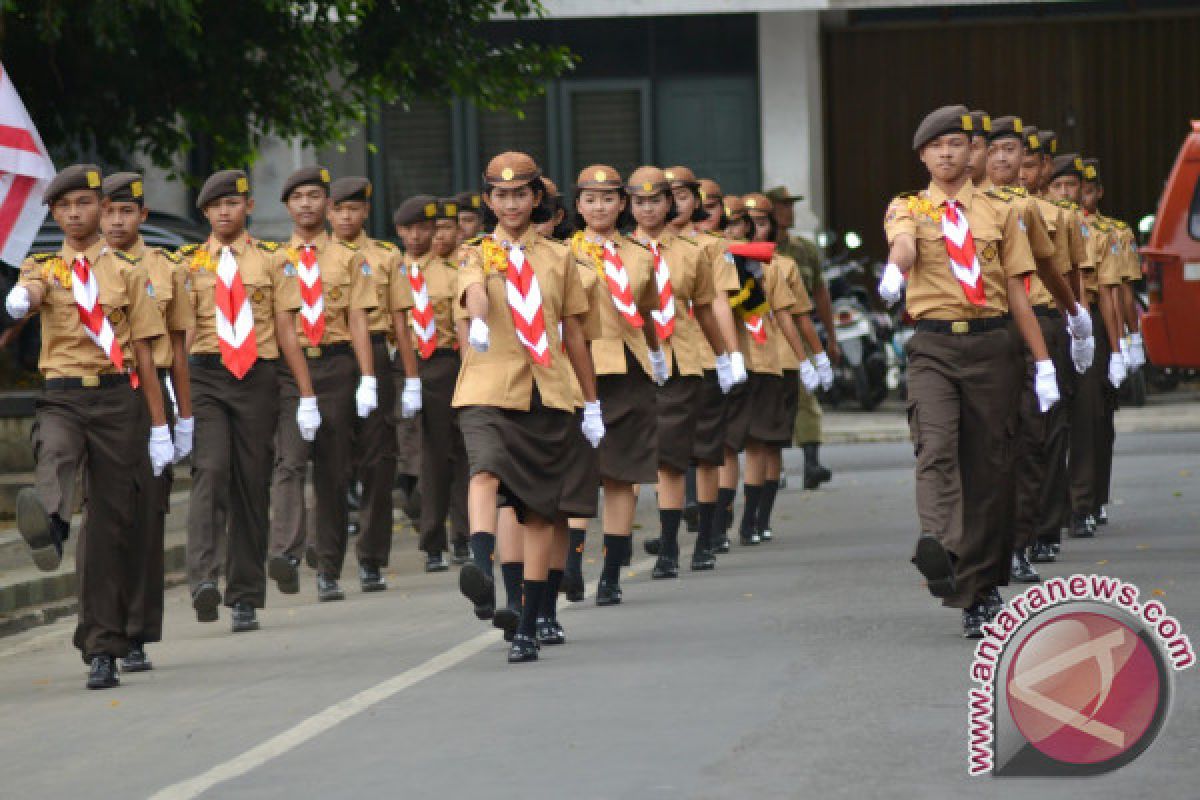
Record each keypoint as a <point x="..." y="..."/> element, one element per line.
<point x="25" y="170"/>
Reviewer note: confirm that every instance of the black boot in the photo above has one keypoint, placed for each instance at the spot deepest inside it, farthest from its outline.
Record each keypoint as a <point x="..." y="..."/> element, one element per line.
<point x="1042" y="553"/>
<point x="103" y="673"/>
<point x="1022" y="570"/>
<point x="244" y="618"/>
<point x="572" y="585"/>
<point x="702" y="556"/>
<point x="1079" y="527"/>
<point x="370" y="579"/>
<point x="814" y="473"/>
<point x="328" y="589"/>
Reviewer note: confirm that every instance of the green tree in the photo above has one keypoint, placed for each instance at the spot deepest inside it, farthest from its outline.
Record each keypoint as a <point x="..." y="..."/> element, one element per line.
<point x="163" y="76"/>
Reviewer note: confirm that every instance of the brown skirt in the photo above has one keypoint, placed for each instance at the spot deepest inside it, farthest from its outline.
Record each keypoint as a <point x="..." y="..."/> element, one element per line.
<point x="628" y="450"/>
<point x="771" y="422"/>
<point x="524" y="449"/>
<point x="678" y="401"/>
<point x="708" y="446"/>
<point x="739" y="410"/>
<point x="581" y="478"/>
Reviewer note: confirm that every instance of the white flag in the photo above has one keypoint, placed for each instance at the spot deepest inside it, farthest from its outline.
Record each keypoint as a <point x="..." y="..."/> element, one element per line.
<point x="25" y="170"/>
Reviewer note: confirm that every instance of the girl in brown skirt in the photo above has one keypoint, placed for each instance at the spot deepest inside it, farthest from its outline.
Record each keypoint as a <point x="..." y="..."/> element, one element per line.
<point x="514" y="389"/>
<point x="619" y="276"/>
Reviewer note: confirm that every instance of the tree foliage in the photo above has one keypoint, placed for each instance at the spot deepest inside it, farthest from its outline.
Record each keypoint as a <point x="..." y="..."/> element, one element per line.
<point x="108" y="78"/>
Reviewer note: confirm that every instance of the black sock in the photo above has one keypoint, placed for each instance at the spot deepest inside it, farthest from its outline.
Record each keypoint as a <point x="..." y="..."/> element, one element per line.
<point x="689" y="487"/>
<point x="766" y="503"/>
<point x="750" y="497"/>
<point x="549" y="608"/>
<point x="669" y="518"/>
<point x="483" y="547"/>
<point x="575" y="550"/>
<point x="724" y="513"/>
<point x="534" y="592"/>
<point x="704" y="535"/>
<point x="511" y="572"/>
<point x="614" y="554"/>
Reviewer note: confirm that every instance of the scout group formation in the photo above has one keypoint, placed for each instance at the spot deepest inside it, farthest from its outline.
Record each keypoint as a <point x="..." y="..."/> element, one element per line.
<point x="547" y="359"/>
<point x="1025" y="328"/>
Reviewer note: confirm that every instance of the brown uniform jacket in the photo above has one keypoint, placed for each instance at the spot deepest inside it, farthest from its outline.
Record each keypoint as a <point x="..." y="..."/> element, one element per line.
<point x="1105" y="250"/>
<point x="790" y="273"/>
<point x="125" y="293"/>
<point x="170" y="281"/>
<point x="441" y="283"/>
<point x="269" y="280"/>
<point x="347" y="282"/>
<point x="1000" y="246"/>
<point x="764" y="358"/>
<point x="725" y="280"/>
<point x="504" y="376"/>
<point x="692" y="285"/>
<point x="392" y="291"/>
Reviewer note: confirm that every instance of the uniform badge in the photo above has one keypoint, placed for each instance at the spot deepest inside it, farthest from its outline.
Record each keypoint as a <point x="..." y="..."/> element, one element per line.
<point x="1021" y="224"/>
<point x="335" y="294"/>
<point x="149" y="288"/>
<point x="1086" y="232"/>
<point x="366" y="269"/>
<point x="989" y="251"/>
<point x="116" y="316"/>
<point x="187" y="284"/>
<point x="289" y="269"/>
<point x="258" y="296"/>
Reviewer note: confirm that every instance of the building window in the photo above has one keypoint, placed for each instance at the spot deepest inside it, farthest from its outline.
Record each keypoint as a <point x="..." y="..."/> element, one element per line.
<point x="501" y="131"/>
<point x="605" y="124"/>
<point x="418" y="150"/>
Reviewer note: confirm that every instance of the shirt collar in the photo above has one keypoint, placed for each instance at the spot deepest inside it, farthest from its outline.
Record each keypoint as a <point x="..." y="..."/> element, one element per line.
<point x="320" y="242"/>
<point x="92" y="253"/>
<point x="239" y="246"/>
<point x="525" y="240"/>
<point x="938" y="197"/>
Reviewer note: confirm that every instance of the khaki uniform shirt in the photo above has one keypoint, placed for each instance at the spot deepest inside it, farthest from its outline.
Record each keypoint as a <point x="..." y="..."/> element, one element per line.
<point x="441" y="284"/>
<point x="269" y="280"/>
<point x="1079" y="248"/>
<point x="505" y="375"/>
<point x="606" y="329"/>
<point x="725" y="279"/>
<point x="170" y="280"/>
<point x="347" y="282"/>
<point x="764" y="358"/>
<point x="392" y="290"/>
<point x="1127" y="245"/>
<point x="1105" y="250"/>
<point x="1000" y="246"/>
<point x="125" y="292"/>
<point x="790" y="273"/>
<point x="692" y="285"/>
<point x="808" y="261"/>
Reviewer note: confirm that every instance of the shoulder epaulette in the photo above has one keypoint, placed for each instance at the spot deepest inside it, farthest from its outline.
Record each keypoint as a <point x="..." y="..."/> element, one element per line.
<point x="348" y="245"/>
<point x="42" y="258"/>
<point x="904" y="195"/>
<point x="997" y="194"/>
<point x="689" y="240"/>
<point x="385" y="244"/>
<point x="174" y="256"/>
<point x="269" y="246"/>
<point x="1018" y="191"/>
<point x="126" y="257"/>
<point x="474" y="242"/>
<point x="716" y="234"/>
<point x="1120" y="225"/>
<point x="188" y="250"/>
<point x="1067" y="204"/>
<point x="632" y="240"/>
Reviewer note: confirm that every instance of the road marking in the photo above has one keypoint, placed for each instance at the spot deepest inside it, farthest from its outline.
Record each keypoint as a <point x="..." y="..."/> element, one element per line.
<point x="325" y="720"/>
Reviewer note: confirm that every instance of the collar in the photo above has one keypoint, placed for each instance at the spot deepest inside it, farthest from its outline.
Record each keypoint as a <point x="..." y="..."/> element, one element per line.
<point x="665" y="238"/>
<point x="964" y="195"/>
<point x="525" y="240"/>
<point x="321" y="242"/>
<point x="239" y="247"/>
<point x="362" y="241"/>
<point x="92" y="253"/>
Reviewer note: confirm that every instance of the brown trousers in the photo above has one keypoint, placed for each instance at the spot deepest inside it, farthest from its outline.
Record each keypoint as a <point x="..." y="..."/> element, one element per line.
<point x="408" y="431"/>
<point x="443" y="454"/>
<point x="103" y="431"/>
<point x="1090" y="459"/>
<point x="152" y="504"/>
<point x="375" y="455"/>
<point x="231" y="477"/>
<point x="334" y="379"/>
<point x="962" y="411"/>
<point x="1042" y="444"/>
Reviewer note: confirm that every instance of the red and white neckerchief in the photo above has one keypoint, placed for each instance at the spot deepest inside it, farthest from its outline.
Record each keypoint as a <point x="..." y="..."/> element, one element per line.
<point x="525" y="303"/>
<point x="423" y="323"/>
<point x="234" y="318"/>
<point x="91" y="313"/>
<point x="618" y="285"/>
<point x="960" y="247"/>
<point x="755" y="324"/>
<point x="312" y="295"/>
<point x="664" y="317"/>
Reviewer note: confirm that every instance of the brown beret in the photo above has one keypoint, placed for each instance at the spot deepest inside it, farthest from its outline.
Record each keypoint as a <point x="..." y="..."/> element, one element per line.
<point x="981" y="123"/>
<point x="468" y="201"/>
<point x="1049" y="142"/>
<point x="76" y="176"/>
<point x="947" y="119"/>
<point x="221" y="184"/>
<point x="734" y="207"/>
<point x="352" y="187"/>
<point x="305" y="176"/>
<point x="447" y="208"/>
<point x="681" y="176"/>
<point x="598" y="176"/>
<point x="1091" y="169"/>
<point x="647" y="182"/>
<point x="710" y="189"/>
<point x="1007" y="126"/>
<point x="417" y="208"/>
<point x="124" y="187"/>
<point x="1067" y="164"/>
<point x="758" y="203"/>
<point x="1033" y="139"/>
<point x="780" y="194"/>
<point x="511" y="169"/>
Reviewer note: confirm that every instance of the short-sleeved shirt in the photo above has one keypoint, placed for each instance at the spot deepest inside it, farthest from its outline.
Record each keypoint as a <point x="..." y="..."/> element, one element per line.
<point x="1127" y="245"/>
<point x="1079" y="247"/>
<point x="790" y="273"/>
<point x="1105" y="250"/>
<point x="725" y="279"/>
<point x="169" y="278"/>
<point x="347" y="283"/>
<point x="764" y="358"/>
<point x="125" y="293"/>
<point x="609" y="332"/>
<point x="505" y="375"/>
<point x="1000" y="246"/>
<point x="269" y="280"/>
<point x="808" y="261"/>
<point x="392" y="292"/>
<point x="441" y="284"/>
<point x="692" y="285"/>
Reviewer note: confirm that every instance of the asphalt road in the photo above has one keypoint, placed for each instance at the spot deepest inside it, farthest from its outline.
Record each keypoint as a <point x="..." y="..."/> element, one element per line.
<point x="815" y="666"/>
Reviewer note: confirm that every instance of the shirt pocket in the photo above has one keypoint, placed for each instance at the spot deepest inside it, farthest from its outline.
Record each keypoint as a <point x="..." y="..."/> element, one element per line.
<point x="261" y="297"/>
<point x="337" y="291"/>
<point x="201" y="294"/>
<point x="115" y="301"/>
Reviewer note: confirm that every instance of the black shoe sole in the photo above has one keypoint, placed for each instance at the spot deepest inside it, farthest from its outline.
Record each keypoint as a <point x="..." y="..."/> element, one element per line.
<point x="973" y="633"/>
<point x="285" y="575"/>
<point x="704" y="566"/>
<point x="933" y="561"/>
<point x="442" y="567"/>
<point x="507" y="620"/>
<point x="652" y="546"/>
<point x="722" y="546"/>
<point x="479" y="589"/>
<point x="34" y="525"/>
<point x="1027" y="578"/>
<point x="136" y="666"/>
<point x="331" y="596"/>
<point x="205" y="602"/>
<point x="522" y="657"/>
<point x="608" y="600"/>
<point x="109" y="684"/>
<point x="664" y="573"/>
<point x="244" y="627"/>
<point x="374" y="586"/>
<point x="572" y="588"/>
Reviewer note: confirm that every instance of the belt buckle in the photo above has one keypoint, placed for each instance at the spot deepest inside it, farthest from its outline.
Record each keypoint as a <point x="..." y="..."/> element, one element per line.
<point x="312" y="352"/>
<point x="960" y="326"/>
<point x="90" y="381"/>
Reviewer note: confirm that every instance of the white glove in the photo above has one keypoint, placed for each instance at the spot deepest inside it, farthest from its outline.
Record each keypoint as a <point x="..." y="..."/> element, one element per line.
<point x="1083" y="353"/>
<point x="658" y="366"/>
<point x="1079" y="324"/>
<point x="308" y="418"/>
<point x="1116" y="369"/>
<point x="366" y="398"/>
<point x="725" y="372"/>
<point x="593" y="423"/>
<point x="1045" y="383"/>
<point x="478" y="335"/>
<point x="410" y="398"/>
<point x="161" y="449"/>
<point x="737" y="367"/>
<point x="809" y="376"/>
<point x="824" y="370"/>
<point x="891" y="284"/>
<point x="17" y="302"/>
<point x="1137" y="350"/>
<point x="1128" y="356"/>
<point x="184" y="428"/>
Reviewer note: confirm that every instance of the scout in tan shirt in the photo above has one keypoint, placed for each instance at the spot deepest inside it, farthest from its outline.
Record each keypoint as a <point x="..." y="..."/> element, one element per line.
<point x="962" y="253"/>
<point x="514" y="390"/>
<point x="98" y="320"/>
<point x="235" y="395"/>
